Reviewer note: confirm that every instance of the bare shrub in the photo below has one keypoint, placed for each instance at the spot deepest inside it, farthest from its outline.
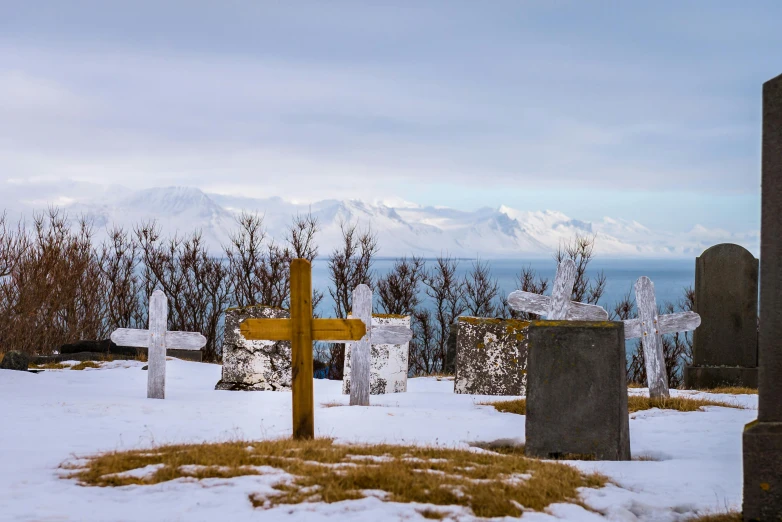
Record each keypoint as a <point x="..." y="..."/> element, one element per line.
<point x="398" y="290"/>
<point x="580" y="251"/>
<point x="118" y="260"/>
<point x="447" y="292"/>
<point x="52" y="292"/>
<point x="527" y="281"/>
<point x="301" y="240"/>
<point x="350" y="265"/>
<point x="480" y="290"/>
<point x="197" y="285"/>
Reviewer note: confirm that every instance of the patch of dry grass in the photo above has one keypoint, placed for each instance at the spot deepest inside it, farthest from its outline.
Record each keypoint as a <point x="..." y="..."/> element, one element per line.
<point x="731" y="516"/>
<point x="517" y="406"/>
<point x="332" y="404"/>
<point x="85" y="364"/>
<point x="490" y="484"/>
<point x="733" y="390"/>
<point x="638" y="402"/>
<point x="634" y="403"/>
<point x="635" y="385"/>
<point x="48" y="366"/>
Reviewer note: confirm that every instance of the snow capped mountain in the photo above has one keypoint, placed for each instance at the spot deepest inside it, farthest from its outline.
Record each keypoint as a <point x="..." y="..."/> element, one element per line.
<point x="402" y="227"/>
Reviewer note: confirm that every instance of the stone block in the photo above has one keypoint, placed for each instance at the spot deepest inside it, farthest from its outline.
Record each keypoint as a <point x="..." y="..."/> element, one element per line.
<point x="576" y="390"/>
<point x="491" y="356"/>
<point x="389" y="362"/>
<point x="763" y="471"/>
<point x="254" y="365"/>
<point x="705" y="377"/>
<point x="14" y="360"/>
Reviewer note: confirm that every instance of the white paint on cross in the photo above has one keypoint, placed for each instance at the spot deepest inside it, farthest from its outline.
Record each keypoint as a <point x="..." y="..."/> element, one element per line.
<point x="156" y="339"/>
<point x="650" y="327"/>
<point x="360" y="351"/>
<point x="558" y="305"/>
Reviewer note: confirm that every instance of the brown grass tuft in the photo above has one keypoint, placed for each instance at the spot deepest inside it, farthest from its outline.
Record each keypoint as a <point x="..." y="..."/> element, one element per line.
<point x="332" y="404"/>
<point x="733" y="390"/>
<point x="490" y="484"/>
<point x="85" y="364"/>
<point x="731" y="516"/>
<point x="634" y="403"/>
<point x="48" y="366"/>
<point x="432" y="514"/>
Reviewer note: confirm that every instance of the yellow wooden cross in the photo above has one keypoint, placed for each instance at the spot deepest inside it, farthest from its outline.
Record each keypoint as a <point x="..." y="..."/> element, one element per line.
<point x="301" y="329"/>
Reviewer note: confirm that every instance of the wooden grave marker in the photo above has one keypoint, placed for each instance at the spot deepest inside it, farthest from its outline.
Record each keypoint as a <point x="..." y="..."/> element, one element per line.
<point x="301" y="330"/>
<point x="361" y="350"/>
<point x="650" y="327"/>
<point x="558" y="305"/>
<point x="157" y="340"/>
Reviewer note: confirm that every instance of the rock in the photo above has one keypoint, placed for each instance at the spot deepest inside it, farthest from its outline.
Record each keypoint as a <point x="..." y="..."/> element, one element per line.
<point x="250" y="365"/>
<point x="145" y="367"/>
<point x="15" y="361"/>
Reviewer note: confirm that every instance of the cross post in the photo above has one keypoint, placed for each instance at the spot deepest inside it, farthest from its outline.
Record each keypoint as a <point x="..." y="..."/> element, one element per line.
<point x="156" y="339"/>
<point x="301" y="330"/>
<point x="558" y="306"/>
<point x="361" y="351"/>
<point x="650" y="327"/>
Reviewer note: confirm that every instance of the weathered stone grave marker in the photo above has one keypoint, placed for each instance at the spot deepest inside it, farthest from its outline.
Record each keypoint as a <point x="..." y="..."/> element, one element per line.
<point x="725" y="347"/>
<point x="762" y="438"/>
<point x="491" y="356"/>
<point x="577" y="391"/>
<point x="156" y="339"/>
<point x="358" y="355"/>
<point x="302" y="329"/>
<point x="250" y="365"/>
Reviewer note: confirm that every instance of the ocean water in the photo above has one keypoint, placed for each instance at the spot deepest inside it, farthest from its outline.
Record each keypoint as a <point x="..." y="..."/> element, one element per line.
<point x="670" y="277"/>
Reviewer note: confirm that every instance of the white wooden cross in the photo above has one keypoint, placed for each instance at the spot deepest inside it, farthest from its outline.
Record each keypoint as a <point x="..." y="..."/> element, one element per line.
<point x="558" y="306"/>
<point x="360" y="351"/>
<point x="650" y="327"/>
<point x="156" y="339"/>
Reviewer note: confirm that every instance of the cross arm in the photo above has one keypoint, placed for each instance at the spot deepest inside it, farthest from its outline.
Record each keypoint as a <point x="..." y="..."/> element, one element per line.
<point x="539" y="304"/>
<point x="174" y="340"/>
<point x="666" y="324"/>
<point x="322" y="329"/>
<point x="387" y="334"/>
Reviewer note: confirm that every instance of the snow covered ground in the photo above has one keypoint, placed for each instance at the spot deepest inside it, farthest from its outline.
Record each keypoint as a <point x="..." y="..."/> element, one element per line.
<point x="54" y="416"/>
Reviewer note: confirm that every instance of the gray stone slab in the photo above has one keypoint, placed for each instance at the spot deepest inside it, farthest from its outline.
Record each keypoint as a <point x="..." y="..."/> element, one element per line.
<point x="388" y="362"/>
<point x="576" y="391"/>
<point x="251" y="365"/>
<point x="491" y="356"/>
<point x="726" y="298"/>
<point x="763" y="438"/>
<point x="705" y="377"/>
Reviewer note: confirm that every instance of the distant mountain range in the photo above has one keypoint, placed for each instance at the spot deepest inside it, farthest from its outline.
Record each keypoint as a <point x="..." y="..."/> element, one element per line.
<point x="402" y="228"/>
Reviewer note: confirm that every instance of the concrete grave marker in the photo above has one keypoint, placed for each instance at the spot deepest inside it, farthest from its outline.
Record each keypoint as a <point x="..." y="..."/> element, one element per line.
<point x="156" y="339"/>
<point x="576" y="390"/>
<point x="762" y="438"/>
<point x="491" y="356"/>
<point x="358" y="355"/>
<point x="251" y="365"/>
<point x="725" y="347"/>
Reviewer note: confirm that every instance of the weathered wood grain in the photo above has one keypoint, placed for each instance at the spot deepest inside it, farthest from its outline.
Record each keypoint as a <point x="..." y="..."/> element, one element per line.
<point x="174" y="340"/>
<point x="650" y="338"/>
<point x="301" y="349"/>
<point x="666" y="324"/>
<point x="348" y="330"/>
<point x="391" y="334"/>
<point x="562" y="290"/>
<point x="158" y="317"/>
<point x="539" y="304"/>
<point x="360" y="350"/>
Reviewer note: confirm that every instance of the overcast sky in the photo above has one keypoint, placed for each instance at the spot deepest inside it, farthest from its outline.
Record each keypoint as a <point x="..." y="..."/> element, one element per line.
<point x="637" y="110"/>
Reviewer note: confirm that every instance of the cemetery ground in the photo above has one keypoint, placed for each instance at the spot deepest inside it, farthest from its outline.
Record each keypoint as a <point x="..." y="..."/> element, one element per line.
<point x="424" y="454"/>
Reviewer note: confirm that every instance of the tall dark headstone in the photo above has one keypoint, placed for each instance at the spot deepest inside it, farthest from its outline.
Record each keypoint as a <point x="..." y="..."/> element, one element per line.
<point x="763" y="437"/>
<point x="725" y="346"/>
<point x="577" y="391"/>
